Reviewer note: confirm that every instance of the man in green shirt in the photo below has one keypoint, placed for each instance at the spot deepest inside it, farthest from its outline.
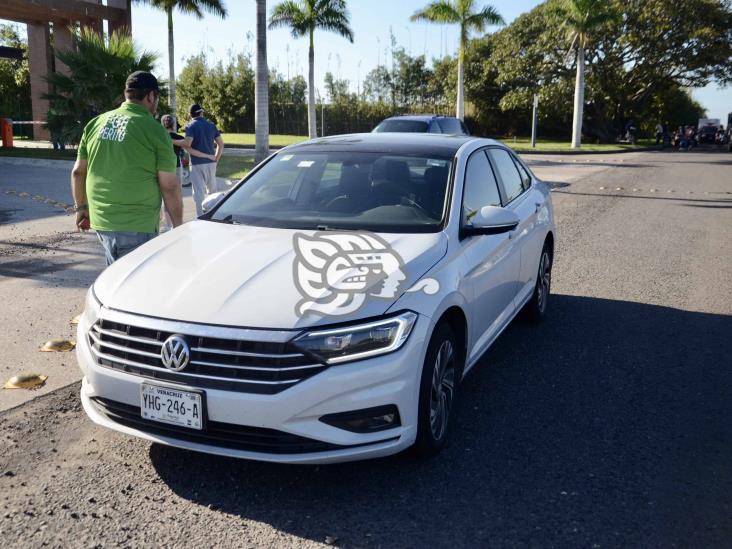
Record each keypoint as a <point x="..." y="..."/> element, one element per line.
<point x="124" y="165"/>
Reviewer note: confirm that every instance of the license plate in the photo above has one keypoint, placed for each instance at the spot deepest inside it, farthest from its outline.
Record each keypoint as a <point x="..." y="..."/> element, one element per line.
<point x="173" y="406"/>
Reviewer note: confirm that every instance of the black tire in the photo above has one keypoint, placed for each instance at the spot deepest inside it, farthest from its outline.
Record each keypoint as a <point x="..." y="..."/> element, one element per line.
<point x="433" y="431"/>
<point x="535" y="309"/>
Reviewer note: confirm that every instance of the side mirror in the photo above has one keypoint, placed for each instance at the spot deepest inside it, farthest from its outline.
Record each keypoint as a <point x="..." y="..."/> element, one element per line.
<point x="491" y="220"/>
<point x="211" y="201"/>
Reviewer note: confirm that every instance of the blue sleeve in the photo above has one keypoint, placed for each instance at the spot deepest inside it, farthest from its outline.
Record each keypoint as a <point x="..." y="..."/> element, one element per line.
<point x="189" y="131"/>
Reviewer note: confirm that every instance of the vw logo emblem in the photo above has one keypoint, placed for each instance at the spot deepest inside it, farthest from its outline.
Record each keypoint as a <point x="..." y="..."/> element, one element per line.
<point x="175" y="353"/>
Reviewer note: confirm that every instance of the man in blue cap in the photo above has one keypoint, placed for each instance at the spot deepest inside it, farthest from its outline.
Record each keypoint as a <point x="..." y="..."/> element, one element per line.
<point x="202" y="135"/>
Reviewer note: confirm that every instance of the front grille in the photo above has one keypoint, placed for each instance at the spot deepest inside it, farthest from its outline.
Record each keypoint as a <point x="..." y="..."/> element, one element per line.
<point x="227" y="364"/>
<point x="222" y="435"/>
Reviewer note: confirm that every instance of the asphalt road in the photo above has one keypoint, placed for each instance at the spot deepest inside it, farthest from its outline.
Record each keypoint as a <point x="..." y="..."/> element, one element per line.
<point x="607" y="425"/>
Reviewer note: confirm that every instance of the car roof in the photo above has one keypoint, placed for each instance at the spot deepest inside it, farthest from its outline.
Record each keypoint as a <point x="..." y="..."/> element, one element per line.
<point x="418" y="117"/>
<point x="396" y="143"/>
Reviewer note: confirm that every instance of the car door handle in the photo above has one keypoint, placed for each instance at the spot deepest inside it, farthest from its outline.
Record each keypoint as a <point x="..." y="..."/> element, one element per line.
<point x="538" y="206"/>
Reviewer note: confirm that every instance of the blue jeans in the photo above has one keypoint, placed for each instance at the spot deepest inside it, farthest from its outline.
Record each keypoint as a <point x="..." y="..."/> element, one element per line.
<point x="119" y="243"/>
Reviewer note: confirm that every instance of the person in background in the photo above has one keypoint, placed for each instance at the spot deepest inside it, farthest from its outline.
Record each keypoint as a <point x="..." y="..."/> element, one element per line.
<point x="125" y="162"/>
<point x="202" y="135"/>
<point x="179" y="144"/>
<point x="659" y="133"/>
<point x="667" y="134"/>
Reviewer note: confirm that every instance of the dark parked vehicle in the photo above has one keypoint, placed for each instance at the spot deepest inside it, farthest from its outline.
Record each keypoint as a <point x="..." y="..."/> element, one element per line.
<point x="422" y="123"/>
<point x="707" y="134"/>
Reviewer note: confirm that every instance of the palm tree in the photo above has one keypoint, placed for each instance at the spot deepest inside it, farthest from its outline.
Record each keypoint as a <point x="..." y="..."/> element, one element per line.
<point x="261" y="88"/>
<point x="303" y="17"/>
<point x="193" y="7"/>
<point x="95" y="82"/>
<point x="581" y="18"/>
<point x="463" y="13"/>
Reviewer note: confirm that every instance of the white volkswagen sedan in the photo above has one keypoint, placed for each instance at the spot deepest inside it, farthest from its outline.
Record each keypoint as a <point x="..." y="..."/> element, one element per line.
<point x="327" y="307"/>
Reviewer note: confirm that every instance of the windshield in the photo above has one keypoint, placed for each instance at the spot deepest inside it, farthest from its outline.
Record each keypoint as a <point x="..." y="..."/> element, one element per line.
<point x="378" y="192"/>
<point x="404" y="126"/>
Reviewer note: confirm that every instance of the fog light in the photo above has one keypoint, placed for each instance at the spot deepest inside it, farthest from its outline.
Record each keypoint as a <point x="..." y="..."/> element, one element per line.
<point x="368" y="420"/>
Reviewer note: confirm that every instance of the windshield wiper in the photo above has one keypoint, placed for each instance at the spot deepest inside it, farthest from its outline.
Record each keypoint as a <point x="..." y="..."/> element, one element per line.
<point x="330" y="228"/>
<point x="229" y="220"/>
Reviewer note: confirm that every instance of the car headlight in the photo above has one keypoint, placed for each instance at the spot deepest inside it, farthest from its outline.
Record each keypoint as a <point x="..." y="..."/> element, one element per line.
<point x="92" y="306"/>
<point x="358" y="341"/>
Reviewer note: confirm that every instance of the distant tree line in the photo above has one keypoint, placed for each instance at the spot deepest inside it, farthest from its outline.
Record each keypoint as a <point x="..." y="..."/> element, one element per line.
<point x="641" y="66"/>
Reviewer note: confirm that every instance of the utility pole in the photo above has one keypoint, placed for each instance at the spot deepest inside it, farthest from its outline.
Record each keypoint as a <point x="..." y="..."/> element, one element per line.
<point x="534" y="120"/>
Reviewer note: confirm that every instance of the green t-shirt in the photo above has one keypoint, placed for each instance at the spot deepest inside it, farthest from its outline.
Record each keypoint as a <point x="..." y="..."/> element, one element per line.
<point x="125" y="149"/>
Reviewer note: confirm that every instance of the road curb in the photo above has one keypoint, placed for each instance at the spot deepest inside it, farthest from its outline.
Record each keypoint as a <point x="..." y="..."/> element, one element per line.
<point x="30" y="161"/>
<point x="36" y="398"/>
<point x="580" y="153"/>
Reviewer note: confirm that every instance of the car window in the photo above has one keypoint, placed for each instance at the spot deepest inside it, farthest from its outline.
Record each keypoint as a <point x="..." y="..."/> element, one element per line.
<point x="450" y="125"/>
<point x="480" y="188"/>
<point x="408" y="126"/>
<point x="525" y="177"/>
<point x="435" y="127"/>
<point x="508" y="173"/>
<point x="464" y="128"/>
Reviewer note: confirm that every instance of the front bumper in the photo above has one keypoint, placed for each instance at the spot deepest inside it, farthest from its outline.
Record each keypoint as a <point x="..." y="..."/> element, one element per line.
<point x="110" y="398"/>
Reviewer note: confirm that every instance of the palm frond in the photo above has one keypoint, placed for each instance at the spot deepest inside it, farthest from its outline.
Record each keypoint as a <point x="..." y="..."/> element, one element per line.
<point x="485" y="17"/>
<point x="335" y="18"/>
<point x="290" y="14"/>
<point x="441" y="11"/>
<point x="191" y="7"/>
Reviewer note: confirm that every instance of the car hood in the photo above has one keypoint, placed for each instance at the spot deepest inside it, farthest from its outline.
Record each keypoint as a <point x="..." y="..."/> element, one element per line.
<point x="244" y="276"/>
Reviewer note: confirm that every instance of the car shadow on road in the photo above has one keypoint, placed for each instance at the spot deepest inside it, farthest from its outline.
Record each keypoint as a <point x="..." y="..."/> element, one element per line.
<point x="607" y="424"/>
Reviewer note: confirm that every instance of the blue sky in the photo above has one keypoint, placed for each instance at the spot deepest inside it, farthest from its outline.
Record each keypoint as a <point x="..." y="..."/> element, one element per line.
<point x="372" y="21"/>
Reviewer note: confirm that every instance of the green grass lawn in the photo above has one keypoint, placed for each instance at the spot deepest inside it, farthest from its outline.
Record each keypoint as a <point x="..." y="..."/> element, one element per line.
<point x="274" y="139"/>
<point x="545" y="145"/>
<point x="521" y="143"/>
<point x="234" y="167"/>
<point x="230" y="167"/>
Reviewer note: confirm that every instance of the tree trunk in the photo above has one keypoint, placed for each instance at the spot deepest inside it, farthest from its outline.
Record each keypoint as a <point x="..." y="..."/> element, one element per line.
<point x="312" y="122"/>
<point x="261" y="88"/>
<point x="579" y="99"/>
<point x="171" y="65"/>
<point x="460" y="108"/>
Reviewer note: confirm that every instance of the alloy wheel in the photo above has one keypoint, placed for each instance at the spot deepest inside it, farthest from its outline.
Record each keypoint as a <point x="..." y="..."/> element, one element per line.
<point x="443" y="389"/>
<point x="544" y="282"/>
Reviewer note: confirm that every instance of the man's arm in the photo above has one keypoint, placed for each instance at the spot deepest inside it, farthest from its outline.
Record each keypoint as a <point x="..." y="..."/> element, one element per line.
<point x="172" y="199"/>
<point x="219" y="147"/>
<point x="78" y="191"/>
<point x="187" y="144"/>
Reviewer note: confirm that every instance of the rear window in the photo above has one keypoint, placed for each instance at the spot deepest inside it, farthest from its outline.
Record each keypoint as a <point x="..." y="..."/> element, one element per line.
<point x="402" y="126"/>
<point x="450" y="125"/>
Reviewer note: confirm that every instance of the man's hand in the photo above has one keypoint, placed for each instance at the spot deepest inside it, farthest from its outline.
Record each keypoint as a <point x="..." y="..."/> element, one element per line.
<point x="172" y="199"/>
<point x="82" y="219"/>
